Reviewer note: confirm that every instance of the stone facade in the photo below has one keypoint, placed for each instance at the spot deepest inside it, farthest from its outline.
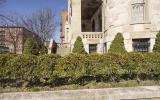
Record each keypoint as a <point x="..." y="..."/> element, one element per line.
<point x="98" y="21"/>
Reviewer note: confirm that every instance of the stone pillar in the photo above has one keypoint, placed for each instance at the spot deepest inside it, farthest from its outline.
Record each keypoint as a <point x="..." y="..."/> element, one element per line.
<point x="128" y="45"/>
<point x="152" y="43"/>
<point x="76" y="18"/>
<point x="86" y="45"/>
<point x="127" y="42"/>
<point x="100" y="47"/>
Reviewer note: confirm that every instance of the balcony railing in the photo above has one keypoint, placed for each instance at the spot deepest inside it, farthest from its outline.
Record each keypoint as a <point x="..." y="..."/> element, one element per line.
<point x="92" y="35"/>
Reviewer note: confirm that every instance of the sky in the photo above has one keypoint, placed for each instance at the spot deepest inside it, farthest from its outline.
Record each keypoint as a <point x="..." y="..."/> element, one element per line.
<point x="27" y="7"/>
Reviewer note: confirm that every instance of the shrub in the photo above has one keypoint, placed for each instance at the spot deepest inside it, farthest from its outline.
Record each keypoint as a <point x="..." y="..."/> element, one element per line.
<point x="25" y="70"/>
<point x="21" y="69"/>
<point x="95" y="64"/>
<point x="117" y="45"/>
<point x="78" y="46"/>
<point x="4" y="60"/>
<point x="45" y="69"/>
<point x="43" y="50"/>
<point x="72" y="66"/>
<point x="114" y="63"/>
<point x="157" y="43"/>
<point x="30" y="47"/>
<point x="54" y="47"/>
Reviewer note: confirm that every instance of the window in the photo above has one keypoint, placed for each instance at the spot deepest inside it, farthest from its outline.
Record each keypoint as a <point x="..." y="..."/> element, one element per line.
<point x="141" y="45"/>
<point x="92" y="48"/>
<point x="2" y="34"/>
<point x="138" y="11"/>
<point x="2" y="38"/>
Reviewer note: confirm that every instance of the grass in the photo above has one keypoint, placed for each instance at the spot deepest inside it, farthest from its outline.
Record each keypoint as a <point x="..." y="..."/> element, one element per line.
<point x="91" y="85"/>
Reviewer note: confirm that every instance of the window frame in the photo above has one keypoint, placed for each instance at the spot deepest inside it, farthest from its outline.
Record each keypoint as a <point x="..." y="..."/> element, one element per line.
<point x="136" y="14"/>
<point x="93" y="49"/>
<point x="141" y="42"/>
<point x="2" y="38"/>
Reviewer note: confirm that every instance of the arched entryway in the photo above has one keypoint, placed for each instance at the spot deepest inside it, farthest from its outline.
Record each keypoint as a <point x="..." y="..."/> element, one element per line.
<point x="91" y="15"/>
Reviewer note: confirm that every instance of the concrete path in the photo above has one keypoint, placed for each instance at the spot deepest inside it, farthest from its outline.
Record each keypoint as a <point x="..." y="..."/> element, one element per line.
<point x="133" y="93"/>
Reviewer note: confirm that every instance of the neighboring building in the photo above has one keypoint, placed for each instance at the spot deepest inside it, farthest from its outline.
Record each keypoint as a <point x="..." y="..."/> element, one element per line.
<point x="64" y="47"/>
<point x="98" y="21"/>
<point x="64" y="28"/>
<point x="4" y="49"/>
<point x="51" y="46"/>
<point x="14" y="38"/>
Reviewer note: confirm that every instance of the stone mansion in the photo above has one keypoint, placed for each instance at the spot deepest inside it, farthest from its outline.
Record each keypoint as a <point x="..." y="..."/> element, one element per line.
<point x="98" y="21"/>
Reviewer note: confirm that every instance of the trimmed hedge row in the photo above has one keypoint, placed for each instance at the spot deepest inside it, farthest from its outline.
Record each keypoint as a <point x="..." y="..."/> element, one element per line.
<point x="29" y="70"/>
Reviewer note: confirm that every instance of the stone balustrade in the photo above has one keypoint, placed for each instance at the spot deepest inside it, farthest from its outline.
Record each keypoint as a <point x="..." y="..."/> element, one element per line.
<point x="92" y="35"/>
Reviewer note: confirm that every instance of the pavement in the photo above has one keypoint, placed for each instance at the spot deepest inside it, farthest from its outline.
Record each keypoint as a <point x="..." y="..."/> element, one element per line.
<point x="128" y="93"/>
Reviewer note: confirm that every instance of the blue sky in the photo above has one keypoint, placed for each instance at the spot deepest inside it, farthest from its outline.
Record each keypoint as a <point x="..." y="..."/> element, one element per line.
<point x="27" y="7"/>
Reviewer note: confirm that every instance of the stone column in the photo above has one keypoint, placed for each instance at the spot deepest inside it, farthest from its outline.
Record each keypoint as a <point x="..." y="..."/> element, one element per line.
<point x="76" y="18"/>
<point x="152" y="43"/>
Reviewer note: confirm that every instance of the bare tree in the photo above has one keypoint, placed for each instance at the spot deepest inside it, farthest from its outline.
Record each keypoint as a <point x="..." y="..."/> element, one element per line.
<point x="5" y="19"/>
<point x="43" y="22"/>
<point x="13" y="36"/>
<point x="2" y="2"/>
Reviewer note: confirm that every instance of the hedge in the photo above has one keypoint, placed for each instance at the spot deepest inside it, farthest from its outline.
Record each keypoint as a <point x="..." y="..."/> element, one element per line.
<point x="28" y="70"/>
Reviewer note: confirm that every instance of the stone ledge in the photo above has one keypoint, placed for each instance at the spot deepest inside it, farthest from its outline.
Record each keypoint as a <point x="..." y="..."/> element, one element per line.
<point x="130" y="93"/>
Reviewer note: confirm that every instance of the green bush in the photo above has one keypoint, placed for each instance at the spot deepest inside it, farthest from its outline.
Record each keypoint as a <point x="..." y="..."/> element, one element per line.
<point x="45" y="69"/>
<point x="31" y="70"/>
<point x="4" y="60"/>
<point x="117" y="45"/>
<point x="21" y="68"/>
<point x="72" y="66"/>
<point x="31" y="47"/>
<point x="78" y="46"/>
<point x="43" y="50"/>
<point x="156" y="47"/>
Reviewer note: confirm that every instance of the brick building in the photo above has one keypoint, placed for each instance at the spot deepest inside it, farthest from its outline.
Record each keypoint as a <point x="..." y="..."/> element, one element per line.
<point x="14" y="38"/>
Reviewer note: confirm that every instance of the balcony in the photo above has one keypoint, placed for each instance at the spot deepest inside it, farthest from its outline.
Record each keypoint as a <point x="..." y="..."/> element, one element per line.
<point x="92" y="35"/>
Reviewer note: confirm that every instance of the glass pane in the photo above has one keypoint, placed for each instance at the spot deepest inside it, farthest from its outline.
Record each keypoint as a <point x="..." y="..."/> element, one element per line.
<point x="92" y="48"/>
<point x="141" y="45"/>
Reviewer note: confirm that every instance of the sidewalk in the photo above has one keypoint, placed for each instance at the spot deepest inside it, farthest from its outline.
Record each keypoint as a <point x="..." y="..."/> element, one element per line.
<point x="131" y="93"/>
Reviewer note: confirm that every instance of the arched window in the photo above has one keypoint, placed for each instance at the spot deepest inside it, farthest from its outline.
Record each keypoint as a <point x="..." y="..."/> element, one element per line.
<point x="138" y="11"/>
<point x="93" y="26"/>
